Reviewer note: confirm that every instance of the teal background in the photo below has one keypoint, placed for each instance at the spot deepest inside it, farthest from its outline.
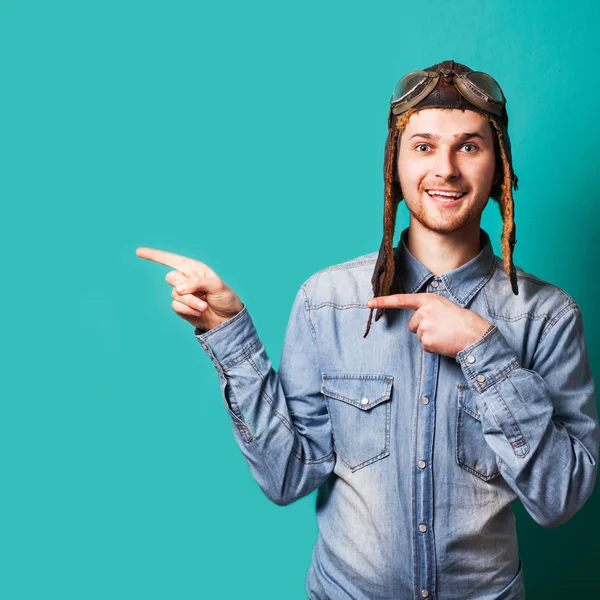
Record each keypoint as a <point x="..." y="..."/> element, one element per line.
<point x="249" y="136"/>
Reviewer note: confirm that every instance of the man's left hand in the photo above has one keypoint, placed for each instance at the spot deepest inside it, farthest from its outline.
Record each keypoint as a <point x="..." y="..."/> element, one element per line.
<point x="441" y="326"/>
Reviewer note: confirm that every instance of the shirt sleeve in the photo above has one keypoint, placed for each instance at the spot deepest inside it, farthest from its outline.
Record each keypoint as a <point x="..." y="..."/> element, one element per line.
<point x="542" y="422"/>
<point x="280" y="419"/>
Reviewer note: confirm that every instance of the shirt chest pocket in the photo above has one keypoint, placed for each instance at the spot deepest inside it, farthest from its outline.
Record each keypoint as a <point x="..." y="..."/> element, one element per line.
<point x="360" y="408"/>
<point x="472" y="451"/>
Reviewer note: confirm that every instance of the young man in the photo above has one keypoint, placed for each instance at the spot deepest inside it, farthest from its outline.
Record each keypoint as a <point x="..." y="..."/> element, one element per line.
<point x="473" y="391"/>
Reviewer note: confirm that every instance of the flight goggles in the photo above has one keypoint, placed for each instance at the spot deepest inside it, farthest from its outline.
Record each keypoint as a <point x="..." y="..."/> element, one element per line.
<point x="477" y="87"/>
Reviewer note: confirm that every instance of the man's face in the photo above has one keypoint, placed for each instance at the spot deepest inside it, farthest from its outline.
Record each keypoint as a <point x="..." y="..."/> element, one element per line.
<point x="446" y="151"/>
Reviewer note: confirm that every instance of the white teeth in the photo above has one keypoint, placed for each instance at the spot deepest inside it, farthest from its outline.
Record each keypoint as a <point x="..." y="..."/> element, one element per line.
<point x="450" y="195"/>
<point x="438" y="193"/>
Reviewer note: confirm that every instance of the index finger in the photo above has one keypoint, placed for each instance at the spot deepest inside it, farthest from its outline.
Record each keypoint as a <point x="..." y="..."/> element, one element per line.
<point x="176" y="261"/>
<point x="413" y="301"/>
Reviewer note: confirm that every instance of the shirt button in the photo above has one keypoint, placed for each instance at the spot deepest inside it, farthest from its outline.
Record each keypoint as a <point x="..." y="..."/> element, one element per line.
<point x="434" y="283"/>
<point x="470" y="359"/>
<point x="422" y="464"/>
<point x="480" y="378"/>
<point x="364" y="401"/>
<point x="424" y="399"/>
<point x="424" y="593"/>
<point x="422" y="528"/>
<point x="204" y="345"/>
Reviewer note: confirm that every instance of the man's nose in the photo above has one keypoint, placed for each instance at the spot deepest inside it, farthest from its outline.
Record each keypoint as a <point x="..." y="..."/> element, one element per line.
<point x="446" y="166"/>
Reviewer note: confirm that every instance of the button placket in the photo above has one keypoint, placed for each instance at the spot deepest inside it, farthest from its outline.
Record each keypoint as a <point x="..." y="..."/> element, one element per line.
<point x="425" y="431"/>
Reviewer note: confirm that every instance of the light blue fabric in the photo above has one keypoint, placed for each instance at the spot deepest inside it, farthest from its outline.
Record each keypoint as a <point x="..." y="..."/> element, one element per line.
<point x="417" y="456"/>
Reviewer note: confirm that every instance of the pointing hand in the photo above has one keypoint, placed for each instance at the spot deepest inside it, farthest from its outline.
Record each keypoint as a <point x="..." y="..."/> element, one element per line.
<point x="441" y="325"/>
<point x="199" y="295"/>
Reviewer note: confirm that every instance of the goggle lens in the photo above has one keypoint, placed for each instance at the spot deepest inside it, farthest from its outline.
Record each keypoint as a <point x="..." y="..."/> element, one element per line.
<point x="410" y="83"/>
<point x="486" y="84"/>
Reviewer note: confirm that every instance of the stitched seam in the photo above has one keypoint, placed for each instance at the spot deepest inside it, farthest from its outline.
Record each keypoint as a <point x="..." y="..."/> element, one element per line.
<point x="415" y="287"/>
<point x="501" y="374"/>
<point x="307" y="314"/>
<point x="241" y="356"/>
<point x="354" y="402"/>
<point x="268" y="398"/>
<point x="543" y="283"/>
<point x="473" y="291"/>
<point x="241" y="425"/>
<point x="365" y="463"/>
<point x="521" y="440"/>
<point x="366" y="376"/>
<point x="385" y="452"/>
<point x="334" y="304"/>
<point x="512" y="364"/>
<point x="386" y="449"/>
<point x="525" y="315"/>
<point x="462" y="390"/>
<point x="493" y="473"/>
<point x="533" y="279"/>
<point x="483" y="339"/>
<point x="311" y="461"/>
<point x="555" y="320"/>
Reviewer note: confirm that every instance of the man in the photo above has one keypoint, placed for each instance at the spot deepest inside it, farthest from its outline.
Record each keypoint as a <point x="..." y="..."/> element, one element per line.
<point x="473" y="391"/>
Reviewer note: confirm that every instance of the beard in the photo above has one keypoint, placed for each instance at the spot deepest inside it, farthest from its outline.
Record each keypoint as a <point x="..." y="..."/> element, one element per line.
<point x="435" y="220"/>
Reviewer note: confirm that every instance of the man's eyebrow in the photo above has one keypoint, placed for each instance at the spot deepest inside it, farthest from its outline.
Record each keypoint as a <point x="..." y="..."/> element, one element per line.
<point x="457" y="136"/>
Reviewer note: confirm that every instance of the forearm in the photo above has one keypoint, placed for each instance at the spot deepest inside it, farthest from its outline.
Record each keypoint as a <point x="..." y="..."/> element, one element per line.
<point x="545" y="431"/>
<point x="289" y="452"/>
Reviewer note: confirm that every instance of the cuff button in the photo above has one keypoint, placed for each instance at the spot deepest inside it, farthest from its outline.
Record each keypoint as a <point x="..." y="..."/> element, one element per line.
<point x="480" y="378"/>
<point x="470" y="359"/>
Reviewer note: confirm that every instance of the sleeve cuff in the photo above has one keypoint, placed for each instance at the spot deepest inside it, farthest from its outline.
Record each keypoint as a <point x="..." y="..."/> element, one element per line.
<point x="487" y="361"/>
<point x="230" y="341"/>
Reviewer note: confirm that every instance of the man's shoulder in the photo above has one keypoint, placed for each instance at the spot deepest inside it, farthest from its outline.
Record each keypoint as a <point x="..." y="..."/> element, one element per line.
<point x="345" y="282"/>
<point x="537" y="297"/>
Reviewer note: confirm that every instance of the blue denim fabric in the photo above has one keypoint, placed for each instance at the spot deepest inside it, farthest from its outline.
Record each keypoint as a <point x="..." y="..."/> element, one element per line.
<point x="417" y="457"/>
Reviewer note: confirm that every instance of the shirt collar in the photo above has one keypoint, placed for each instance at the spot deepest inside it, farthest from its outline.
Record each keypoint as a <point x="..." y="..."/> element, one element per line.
<point x="461" y="283"/>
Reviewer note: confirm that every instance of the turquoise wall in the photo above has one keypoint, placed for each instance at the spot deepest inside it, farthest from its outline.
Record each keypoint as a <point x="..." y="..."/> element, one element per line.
<point x="249" y="136"/>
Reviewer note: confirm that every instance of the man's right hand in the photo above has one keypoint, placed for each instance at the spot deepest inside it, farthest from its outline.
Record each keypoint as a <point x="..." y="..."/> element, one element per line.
<point x="199" y="296"/>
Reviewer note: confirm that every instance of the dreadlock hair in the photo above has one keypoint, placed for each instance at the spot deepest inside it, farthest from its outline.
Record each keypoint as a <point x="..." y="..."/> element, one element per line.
<point x="506" y="204"/>
<point x="384" y="277"/>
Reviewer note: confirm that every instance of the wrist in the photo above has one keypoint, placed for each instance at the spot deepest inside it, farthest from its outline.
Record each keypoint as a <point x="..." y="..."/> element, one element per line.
<point x="480" y="333"/>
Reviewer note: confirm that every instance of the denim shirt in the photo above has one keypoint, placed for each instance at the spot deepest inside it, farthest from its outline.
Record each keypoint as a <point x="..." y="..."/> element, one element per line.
<point x="417" y="456"/>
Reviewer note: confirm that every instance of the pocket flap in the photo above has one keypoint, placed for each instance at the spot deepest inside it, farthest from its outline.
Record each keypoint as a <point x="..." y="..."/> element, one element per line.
<point x="466" y="401"/>
<point x="362" y="391"/>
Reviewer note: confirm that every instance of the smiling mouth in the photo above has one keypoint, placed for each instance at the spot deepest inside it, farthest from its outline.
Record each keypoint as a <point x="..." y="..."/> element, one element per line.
<point x="447" y="197"/>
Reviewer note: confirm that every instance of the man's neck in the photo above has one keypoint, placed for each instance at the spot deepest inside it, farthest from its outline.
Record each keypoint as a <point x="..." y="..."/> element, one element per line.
<point x="443" y="252"/>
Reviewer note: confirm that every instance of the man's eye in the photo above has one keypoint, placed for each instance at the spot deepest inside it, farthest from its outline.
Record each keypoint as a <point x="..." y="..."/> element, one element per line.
<point x="418" y="148"/>
<point x="472" y="146"/>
